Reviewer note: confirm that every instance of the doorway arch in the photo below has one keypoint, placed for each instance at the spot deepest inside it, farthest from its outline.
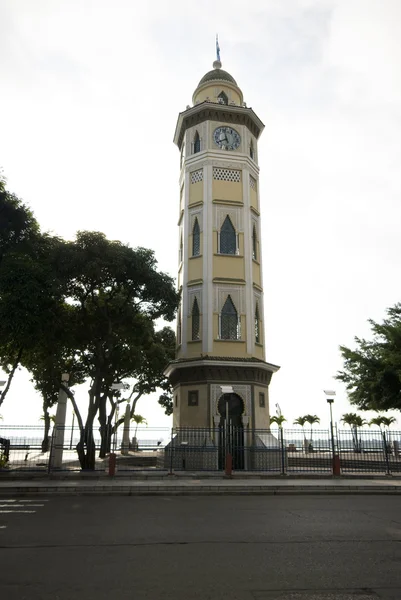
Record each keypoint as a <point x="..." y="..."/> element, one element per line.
<point x="231" y="430"/>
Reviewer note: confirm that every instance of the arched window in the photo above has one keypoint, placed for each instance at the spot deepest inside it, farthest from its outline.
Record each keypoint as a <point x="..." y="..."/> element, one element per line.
<point x="228" y="238"/>
<point x="195" y="320"/>
<point x="257" y="324"/>
<point x="196" y="238"/>
<point x="222" y="98"/>
<point x="179" y="329"/>
<point x="197" y="145"/>
<point x="182" y="155"/>
<point x="254" y="243"/>
<point x="251" y="151"/>
<point x="229" y="327"/>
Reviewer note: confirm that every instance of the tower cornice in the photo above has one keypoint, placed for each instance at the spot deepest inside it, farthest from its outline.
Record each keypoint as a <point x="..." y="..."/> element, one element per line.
<point x="213" y="111"/>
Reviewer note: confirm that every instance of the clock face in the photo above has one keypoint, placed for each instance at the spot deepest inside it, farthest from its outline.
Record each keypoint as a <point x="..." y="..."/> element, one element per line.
<point x="226" y="138"/>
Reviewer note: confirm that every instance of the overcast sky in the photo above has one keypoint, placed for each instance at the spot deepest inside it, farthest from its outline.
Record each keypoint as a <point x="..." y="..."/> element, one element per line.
<point x="90" y="94"/>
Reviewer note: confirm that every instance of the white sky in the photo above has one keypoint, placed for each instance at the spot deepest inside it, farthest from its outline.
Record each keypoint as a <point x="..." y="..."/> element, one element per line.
<point x="90" y="94"/>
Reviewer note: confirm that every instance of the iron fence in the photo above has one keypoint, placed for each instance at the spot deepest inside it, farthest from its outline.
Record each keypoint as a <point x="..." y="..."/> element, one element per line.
<point x="275" y="451"/>
<point x="24" y="449"/>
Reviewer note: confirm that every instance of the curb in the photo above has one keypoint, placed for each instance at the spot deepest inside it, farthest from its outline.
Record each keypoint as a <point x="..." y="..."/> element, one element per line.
<point x="197" y="491"/>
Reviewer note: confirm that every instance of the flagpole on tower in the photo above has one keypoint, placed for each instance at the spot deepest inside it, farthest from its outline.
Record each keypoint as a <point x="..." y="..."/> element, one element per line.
<point x="217" y="48"/>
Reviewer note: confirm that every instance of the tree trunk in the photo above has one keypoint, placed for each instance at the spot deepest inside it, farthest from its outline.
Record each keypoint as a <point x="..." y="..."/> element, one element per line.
<point x="46" y="437"/>
<point x="86" y="448"/>
<point x="17" y="361"/>
<point x="105" y="437"/>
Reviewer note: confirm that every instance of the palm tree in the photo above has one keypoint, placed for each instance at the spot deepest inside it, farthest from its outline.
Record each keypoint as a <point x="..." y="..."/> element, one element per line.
<point x="278" y="420"/>
<point x="377" y="421"/>
<point x="139" y="420"/>
<point x="311" y="419"/>
<point x="387" y="421"/>
<point x="354" y="421"/>
<point x="301" y="421"/>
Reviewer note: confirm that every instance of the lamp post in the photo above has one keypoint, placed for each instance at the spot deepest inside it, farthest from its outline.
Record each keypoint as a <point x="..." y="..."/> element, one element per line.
<point x="335" y="458"/>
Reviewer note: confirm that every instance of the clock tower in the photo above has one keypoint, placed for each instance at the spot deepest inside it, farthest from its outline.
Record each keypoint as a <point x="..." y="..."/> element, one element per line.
<point x="220" y="371"/>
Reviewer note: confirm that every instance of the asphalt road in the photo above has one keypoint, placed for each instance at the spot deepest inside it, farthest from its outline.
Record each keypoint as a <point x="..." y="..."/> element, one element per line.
<point x="213" y="548"/>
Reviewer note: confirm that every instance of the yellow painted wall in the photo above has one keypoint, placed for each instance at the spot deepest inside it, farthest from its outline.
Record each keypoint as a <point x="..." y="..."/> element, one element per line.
<point x="228" y="347"/>
<point x="194" y="416"/>
<point x="226" y="190"/>
<point x="261" y="414"/>
<point x="214" y="90"/>
<point x="259" y="349"/>
<point x="176" y="409"/>
<point x="256" y="273"/>
<point x="196" y="192"/>
<point x="193" y="348"/>
<point x="254" y="198"/>
<point x="226" y="266"/>
<point x="194" y="265"/>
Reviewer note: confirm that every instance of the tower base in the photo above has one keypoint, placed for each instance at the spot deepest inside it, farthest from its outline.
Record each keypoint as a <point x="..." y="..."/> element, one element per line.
<point x="210" y="390"/>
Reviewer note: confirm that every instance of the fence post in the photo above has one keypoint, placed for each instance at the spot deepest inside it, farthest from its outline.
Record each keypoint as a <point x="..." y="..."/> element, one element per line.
<point x="282" y="451"/>
<point x="386" y="453"/>
<point x="171" y="451"/>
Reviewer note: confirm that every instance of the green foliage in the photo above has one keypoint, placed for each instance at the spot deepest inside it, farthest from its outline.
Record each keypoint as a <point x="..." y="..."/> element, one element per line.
<point x="353" y="420"/>
<point x="3" y="461"/>
<point x="278" y="420"/>
<point x="382" y="420"/>
<point x="86" y="307"/>
<point x="18" y="225"/>
<point x="300" y="421"/>
<point x="387" y="421"/>
<point x="372" y="371"/>
<point x="115" y="294"/>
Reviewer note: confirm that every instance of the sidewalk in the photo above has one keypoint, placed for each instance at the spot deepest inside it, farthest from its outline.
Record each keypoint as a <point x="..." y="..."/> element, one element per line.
<point x="174" y="485"/>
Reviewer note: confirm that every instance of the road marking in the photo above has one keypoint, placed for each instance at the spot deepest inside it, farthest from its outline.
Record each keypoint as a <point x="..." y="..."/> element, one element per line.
<point x="17" y="511"/>
<point x="19" y="505"/>
<point x="22" y="500"/>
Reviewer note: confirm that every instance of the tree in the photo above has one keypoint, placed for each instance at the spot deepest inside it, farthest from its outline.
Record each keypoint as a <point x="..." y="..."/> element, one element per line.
<point x="18" y="226"/>
<point x="311" y="419"/>
<point x="31" y="303"/>
<point x="387" y="421"/>
<point x="139" y="420"/>
<point x="278" y="420"/>
<point x="372" y="371"/>
<point x="377" y="421"/>
<point x="355" y="422"/>
<point x="19" y="230"/>
<point x="115" y="295"/>
<point x="301" y="421"/>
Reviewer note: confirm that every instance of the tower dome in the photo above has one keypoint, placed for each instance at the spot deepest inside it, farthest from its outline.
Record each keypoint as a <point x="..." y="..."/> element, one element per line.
<point x="214" y="83"/>
<point x="218" y="74"/>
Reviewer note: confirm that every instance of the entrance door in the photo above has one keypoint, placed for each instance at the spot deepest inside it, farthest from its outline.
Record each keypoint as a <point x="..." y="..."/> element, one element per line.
<point x="231" y="435"/>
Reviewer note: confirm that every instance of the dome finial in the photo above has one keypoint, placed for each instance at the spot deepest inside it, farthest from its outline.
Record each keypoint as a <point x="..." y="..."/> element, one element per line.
<point x="217" y="62"/>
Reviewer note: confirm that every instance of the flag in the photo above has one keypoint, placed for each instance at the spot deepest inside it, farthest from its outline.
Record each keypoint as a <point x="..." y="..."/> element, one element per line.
<point x="217" y="48"/>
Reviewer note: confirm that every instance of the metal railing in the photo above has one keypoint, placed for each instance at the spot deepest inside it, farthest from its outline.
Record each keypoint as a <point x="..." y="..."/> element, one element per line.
<point x="270" y="451"/>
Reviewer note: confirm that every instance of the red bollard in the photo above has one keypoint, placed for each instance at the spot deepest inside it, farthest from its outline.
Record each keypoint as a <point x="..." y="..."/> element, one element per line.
<point x="336" y="465"/>
<point x="229" y="464"/>
<point x="112" y="464"/>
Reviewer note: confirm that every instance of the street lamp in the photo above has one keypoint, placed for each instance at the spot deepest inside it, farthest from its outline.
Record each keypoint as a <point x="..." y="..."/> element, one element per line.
<point x="330" y="399"/>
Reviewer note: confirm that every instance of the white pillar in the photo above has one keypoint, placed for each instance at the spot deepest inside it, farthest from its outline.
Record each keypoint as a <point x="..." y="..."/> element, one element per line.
<point x="127" y="419"/>
<point x="59" y="427"/>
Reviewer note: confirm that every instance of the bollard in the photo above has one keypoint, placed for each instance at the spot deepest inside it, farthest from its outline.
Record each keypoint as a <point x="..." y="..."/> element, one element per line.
<point x="112" y="464"/>
<point x="336" y="465"/>
<point x="229" y="464"/>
